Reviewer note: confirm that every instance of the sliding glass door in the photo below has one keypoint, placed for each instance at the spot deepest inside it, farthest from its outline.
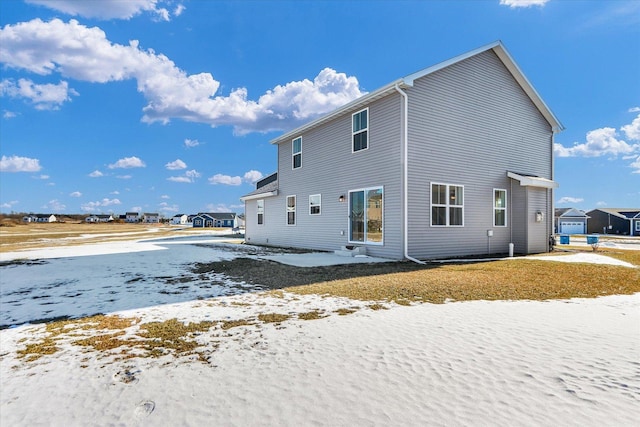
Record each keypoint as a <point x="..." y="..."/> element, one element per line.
<point x="366" y="215"/>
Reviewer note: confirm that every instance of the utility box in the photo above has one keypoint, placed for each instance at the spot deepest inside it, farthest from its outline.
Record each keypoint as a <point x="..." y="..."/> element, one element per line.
<point x="564" y="239"/>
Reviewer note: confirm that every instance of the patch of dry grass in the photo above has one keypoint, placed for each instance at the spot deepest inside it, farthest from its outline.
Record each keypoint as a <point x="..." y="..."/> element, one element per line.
<point x="311" y="315"/>
<point x="31" y="236"/>
<point x="497" y="280"/>
<point x="273" y="317"/>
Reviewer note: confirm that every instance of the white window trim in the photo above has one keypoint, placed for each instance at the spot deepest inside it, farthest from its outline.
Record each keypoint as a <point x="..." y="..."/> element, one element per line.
<point x="361" y="130"/>
<point x="258" y="212"/>
<point x="319" y="204"/>
<point x="506" y="204"/>
<point x="447" y="206"/>
<point x="294" y="154"/>
<point x="637" y="225"/>
<point x="288" y="209"/>
<point x="365" y="242"/>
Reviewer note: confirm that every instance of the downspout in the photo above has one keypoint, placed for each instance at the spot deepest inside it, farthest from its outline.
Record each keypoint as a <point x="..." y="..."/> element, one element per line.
<point x="405" y="175"/>
<point x="551" y="231"/>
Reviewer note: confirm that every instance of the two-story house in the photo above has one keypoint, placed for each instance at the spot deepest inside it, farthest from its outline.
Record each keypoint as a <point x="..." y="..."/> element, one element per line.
<point x="453" y="160"/>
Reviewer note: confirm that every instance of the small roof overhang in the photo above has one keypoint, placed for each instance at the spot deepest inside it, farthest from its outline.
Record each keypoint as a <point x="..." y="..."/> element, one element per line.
<point x="533" y="181"/>
<point x="268" y="190"/>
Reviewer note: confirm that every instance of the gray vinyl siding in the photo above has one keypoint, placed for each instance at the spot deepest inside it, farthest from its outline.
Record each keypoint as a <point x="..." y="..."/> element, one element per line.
<point x="331" y="169"/>
<point x="469" y="124"/>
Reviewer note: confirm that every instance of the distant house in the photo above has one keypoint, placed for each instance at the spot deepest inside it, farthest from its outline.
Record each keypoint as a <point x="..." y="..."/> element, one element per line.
<point x="453" y="160"/>
<point x="622" y="221"/>
<point x="99" y="218"/>
<point x="29" y="218"/>
<point x="132" y="217"/>
<point x="45" y="218"/>
<point x="570" y="221"/>
<point x="179" y="219"/>
<point x="151" y="218"/>
<point x="203" y="220"/>
<point x="216" y="219"/>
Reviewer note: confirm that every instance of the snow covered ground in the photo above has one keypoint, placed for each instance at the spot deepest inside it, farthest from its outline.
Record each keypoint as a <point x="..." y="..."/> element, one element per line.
<point x="571" y="362"/>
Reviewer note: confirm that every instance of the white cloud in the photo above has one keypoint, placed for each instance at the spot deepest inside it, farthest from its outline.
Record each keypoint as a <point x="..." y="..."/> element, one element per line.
<point x="8" y="114"/>
<point x="83" y="53"/>
<point x="250" y="177"/>
<point x="43" y="177"/>
<point x="75" y="194"/>
<point x="188" y="177"/>
<point x="523" y="3"/>
<point x="221" y="207"/>
<point x="8" y="205"/>
<point x="54" y="206"/>
<point x="225" y="179"/>
<point x="19" y="164"/>
<point x="96" y="174"/>
<point x="165" y="207"/>
<point x="632" y="130"/>
<point x="634" y="110"/>
<point x="124" y="176"/>
<point x="43" y="96"/>
<point x="165" y="196"/>
<point x="93" y="206"/>
<point x="127" y="163"/>
<point x="176" y="165"/>
<point x="636" y="165"/>
<point x="190" y="143"/>
<point x="600" y="142"/>
<point x="178" y="10"/>
<point x="253" y="176"/>
<point x="569" y="200"/>
<point x="110" y="9"/>
<point x="183" y="179"/>
<point x="601" y="203"/>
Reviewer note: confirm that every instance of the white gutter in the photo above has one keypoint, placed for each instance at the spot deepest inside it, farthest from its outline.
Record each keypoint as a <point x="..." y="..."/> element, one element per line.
<point x="405" y="177"/>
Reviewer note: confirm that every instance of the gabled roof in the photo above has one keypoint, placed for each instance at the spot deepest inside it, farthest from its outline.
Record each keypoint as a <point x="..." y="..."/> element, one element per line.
<point x="570" y="213"/>
<point x="497" y="47"/>
<point x="624" y="213"/>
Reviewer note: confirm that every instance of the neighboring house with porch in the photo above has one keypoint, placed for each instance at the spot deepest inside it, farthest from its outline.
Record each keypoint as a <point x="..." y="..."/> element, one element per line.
<point x="216" y="219"/>
<point x="454" y="160"/>
<point x="570" y="221"/>
<point x="622" y="221"/>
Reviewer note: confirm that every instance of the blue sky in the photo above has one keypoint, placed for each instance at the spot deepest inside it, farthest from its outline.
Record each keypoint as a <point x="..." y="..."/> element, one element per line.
<point x="169" y="105"/>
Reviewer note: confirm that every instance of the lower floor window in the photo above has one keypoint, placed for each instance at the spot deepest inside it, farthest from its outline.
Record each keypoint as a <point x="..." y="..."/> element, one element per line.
<point x="500" y="208"/>
<point x="366" y="215"/>
<point x="447" y="205"/>
<point x="260" y="210"/>
<point x="291" y="210"/>
<point x="315" y="201"/>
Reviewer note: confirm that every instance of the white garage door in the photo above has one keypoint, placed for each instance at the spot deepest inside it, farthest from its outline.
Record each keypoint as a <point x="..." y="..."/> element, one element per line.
<point x="571" y="228"/>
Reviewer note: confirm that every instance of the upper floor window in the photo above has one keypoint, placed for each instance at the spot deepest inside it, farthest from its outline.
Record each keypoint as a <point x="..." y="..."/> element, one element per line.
<point x="291" y="210"/>
<point x="360" y="130"/>
<point x="315" y="201"/>
<point x="260" y="211"/>
<point x="447" y="205"/>
<point x="499" y="208"/>
<point x="296" y="152"/>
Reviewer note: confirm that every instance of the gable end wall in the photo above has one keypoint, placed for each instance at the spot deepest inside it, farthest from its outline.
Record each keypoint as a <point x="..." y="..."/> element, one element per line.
<point x="469" y="124"/>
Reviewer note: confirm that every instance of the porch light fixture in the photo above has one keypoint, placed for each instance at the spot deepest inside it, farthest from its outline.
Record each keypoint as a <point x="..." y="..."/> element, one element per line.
<point x="341" y="198"/>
